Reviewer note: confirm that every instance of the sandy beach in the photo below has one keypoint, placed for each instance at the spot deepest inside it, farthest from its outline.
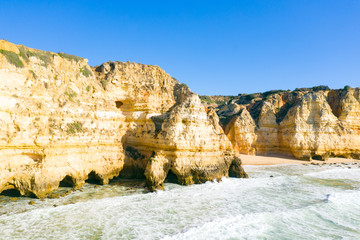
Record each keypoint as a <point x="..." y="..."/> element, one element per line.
<point x="284" y="159"/>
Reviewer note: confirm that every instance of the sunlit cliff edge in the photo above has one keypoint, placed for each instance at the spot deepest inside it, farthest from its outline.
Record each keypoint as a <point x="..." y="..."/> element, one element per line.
<point x="63" y="122"/>
<point x="308" y="123"/>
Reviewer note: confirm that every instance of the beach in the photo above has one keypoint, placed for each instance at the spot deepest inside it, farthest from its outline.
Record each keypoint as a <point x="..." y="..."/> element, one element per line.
<point x="285" y="159"/>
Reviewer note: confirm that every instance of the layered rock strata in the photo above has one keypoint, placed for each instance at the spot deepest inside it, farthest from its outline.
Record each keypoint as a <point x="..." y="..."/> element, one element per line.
<point x="64" y="123"/>
<point x="56" y="124"/>
<point x="169" y="130"/>
<point x="305" y="123"/>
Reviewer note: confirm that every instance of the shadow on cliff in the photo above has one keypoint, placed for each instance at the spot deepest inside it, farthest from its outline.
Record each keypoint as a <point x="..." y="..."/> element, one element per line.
<point x="171" y="177"/>
<point x="138" y="154"/>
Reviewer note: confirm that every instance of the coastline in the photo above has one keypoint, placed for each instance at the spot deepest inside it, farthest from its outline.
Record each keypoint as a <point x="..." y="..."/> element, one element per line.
<point x="285" y="159"/>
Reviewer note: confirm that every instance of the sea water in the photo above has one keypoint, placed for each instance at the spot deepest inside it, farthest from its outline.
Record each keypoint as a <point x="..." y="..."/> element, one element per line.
<point x="275" y="202"/>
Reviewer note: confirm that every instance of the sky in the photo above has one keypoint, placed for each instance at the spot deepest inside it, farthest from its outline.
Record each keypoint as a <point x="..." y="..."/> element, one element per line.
<point x="219" y="47"/>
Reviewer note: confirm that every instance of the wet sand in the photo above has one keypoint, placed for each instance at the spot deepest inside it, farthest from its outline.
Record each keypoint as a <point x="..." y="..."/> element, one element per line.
<point x="284" y="159"/>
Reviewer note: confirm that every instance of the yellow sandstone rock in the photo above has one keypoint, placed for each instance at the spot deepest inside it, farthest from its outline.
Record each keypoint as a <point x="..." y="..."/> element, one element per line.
<point x="63" y="123"/>
<point x="241" y="132"/>
<point x="306" y="124"/>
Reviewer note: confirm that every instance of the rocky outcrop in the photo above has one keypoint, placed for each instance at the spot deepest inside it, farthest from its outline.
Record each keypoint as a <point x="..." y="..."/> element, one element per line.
<point x="64" y="123"/>
<point x="306" y="123"/>
<point x="241" y="132"/>
<point x="168" y="127"/>
<point x="56" y="125"/>
<point x="311" y="130"/>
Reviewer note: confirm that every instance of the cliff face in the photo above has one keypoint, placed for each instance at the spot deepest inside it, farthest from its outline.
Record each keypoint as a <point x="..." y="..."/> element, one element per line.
<point x="64" y="123"/>
<point x="241" y="132"/>
<point x="56" y="124"/>
<point x="168" y="129"/>
<point x="305" y="123"/>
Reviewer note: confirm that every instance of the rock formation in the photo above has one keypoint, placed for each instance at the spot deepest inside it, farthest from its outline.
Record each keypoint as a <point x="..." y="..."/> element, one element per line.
<point x="307" y="123"/>
<point x="64" y="123"/>
<point x="241" y="132"/>
<point x="168" y="127"/>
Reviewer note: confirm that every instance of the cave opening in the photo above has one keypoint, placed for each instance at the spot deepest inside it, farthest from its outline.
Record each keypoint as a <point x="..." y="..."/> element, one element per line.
<point x="118" y="104"/>
<point x="93" y="178"/>
<point x="171" y="177"/>
<point x="67" y="182"/>
<point x="11" y="193"/>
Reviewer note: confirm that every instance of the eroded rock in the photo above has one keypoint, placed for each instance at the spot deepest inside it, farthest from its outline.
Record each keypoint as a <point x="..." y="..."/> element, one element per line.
<point x="309" y="124"/>
<point x="64" y="123"/>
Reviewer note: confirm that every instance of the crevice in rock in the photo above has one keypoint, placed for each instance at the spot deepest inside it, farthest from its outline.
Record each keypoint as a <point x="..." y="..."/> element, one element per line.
<point x="281" y="113"/>
<point x="68" y="181"/>
<point x="158" y="121"/>
<point x="224" y="120"/>
<point x="333" y="98"/>
<point x="133" y="153"/>
<point x="93" y="178"/>
<point x="255" y="110"/>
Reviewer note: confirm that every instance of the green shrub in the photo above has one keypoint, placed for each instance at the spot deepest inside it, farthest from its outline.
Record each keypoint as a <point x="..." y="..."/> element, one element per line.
<point x="87" y="88"/>
<point x="220" y="102"/>
<point x="302" y="89"/>
<point x="70" y="57"/>
<point x="12" y="58"/>
<point x="45" y="57"/>
<point x="104" y="83"/>
<point x="320" y="88"/>
<point x="33" y="74"/>
<point x="85" y="71"/>
<point x="347" y="88"/>
<point x="268" y="94"/>
<point x="206" y="99"/>
<point x="24" y="53"/>
<point x="74" y="127"/>
<point x="71" y="94"/>
<point x="251" y="96"/>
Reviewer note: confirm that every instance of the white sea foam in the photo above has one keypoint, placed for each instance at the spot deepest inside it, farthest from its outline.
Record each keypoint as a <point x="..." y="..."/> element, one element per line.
<point x="337" y="173"/>
<point x="294" y="203"/>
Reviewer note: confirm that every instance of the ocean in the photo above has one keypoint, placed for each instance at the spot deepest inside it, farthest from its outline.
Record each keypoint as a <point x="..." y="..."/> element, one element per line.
<point x="275" y="202"/>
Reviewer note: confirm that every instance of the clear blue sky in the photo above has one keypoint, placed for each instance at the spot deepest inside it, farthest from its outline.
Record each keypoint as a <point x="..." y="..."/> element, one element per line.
<point x="215" y="47"/>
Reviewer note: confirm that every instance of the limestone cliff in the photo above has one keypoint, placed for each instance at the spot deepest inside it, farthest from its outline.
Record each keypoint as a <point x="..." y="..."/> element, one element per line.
<point x="64" y="123"/>
<point x="307" y="123"/>
<point x="241" y="132"/>
<point x="56" y="124"/>
<point x="168" y="127"/>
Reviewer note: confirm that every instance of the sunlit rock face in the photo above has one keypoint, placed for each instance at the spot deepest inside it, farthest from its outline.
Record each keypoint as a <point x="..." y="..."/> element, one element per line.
<point x="306" y="124"/>
<point x="55" y="122"/>
<point x="241" y="132"/>
<point x="310" y="129"/>
<point x="168" y="129"/>
<point x="63" y="122"/>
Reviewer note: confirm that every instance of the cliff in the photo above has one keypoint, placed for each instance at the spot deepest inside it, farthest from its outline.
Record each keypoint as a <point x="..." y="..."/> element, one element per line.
<point x="306" y="123"/>
<point x="168" y="129"/>
<point x="63" y="123"/>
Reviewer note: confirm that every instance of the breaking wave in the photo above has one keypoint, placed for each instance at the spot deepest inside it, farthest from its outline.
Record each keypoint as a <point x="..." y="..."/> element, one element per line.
<point x="276" y="202"/>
